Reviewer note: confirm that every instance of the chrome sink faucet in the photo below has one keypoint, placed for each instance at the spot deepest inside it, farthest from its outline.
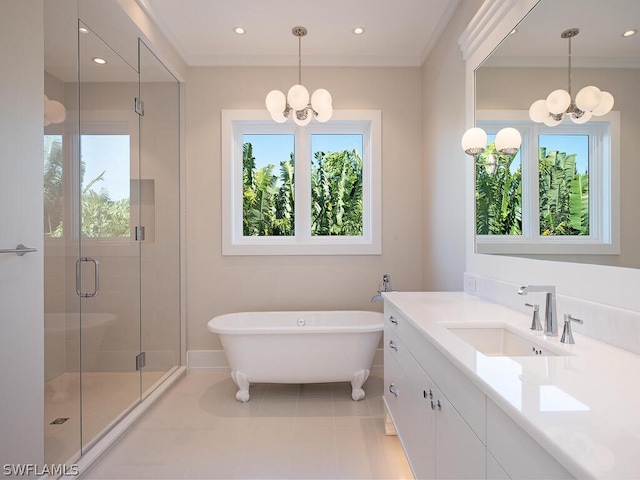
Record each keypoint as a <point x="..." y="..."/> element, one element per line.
<point x="550" y="316"/>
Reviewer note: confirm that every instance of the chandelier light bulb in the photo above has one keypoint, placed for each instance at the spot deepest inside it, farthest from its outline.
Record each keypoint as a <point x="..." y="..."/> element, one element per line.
<point x="588" y="98"/>
<point x="474" y="141"/>
<point x="508" y="141"/>
<point x="538" y="111"/>
<point x="276" y="102"/>
<point x="558" y="101"/>
<point x="54" y="111"/>
<point x="586" y="116"/>
<point x="321" y="99"/>
<point x="605" y="105"/>
<point x="302" y="117"/>
<point x="552" y="122"/>
<point x="298" y="97"/>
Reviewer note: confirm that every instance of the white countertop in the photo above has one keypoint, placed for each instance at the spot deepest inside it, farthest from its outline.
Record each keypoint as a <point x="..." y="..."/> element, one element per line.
<point x="584" y="408"/>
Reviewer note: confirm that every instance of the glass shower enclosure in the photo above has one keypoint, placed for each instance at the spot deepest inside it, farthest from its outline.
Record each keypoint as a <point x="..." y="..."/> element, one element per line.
<point x="112" y="232"/>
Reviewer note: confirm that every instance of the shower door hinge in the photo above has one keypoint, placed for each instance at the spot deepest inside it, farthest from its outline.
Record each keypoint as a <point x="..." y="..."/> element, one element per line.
<point x="138" y="106"/>
<point x="139" y="231"/>
<point x="141" y="361"/>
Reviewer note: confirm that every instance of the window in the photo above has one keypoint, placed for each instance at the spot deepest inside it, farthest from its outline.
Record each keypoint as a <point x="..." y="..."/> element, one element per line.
<point x="292" y="190"/>
<point x="105" y="186"/>
<point x="558" y="195"/>
<point x="100" y="186"/>
<point x="53" y="187"/>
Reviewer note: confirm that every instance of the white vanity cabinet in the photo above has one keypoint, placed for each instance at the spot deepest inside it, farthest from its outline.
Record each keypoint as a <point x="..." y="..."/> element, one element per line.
<point x="517" y="454"/>
<point x="438" y="441"/>
<point x="448" y="425"/>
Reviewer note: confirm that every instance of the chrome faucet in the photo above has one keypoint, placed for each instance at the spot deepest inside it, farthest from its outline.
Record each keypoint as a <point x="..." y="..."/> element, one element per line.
<point x="550" y="316"/>
<point x="385" y="286"/>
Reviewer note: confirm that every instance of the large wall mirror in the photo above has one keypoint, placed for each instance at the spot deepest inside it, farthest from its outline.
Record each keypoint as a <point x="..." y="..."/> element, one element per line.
<point x="528" y="65"/>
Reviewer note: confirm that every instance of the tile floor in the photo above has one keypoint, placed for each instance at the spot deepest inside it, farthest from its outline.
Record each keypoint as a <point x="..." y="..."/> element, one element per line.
<point x="104" y="397"/>
<point x="197" y="430"/>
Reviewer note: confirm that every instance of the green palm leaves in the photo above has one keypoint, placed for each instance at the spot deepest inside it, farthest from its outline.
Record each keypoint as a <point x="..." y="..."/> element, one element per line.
<point x="564" y="195"/>
<point x="336" y="195"/>
<point x="563" y="200"/>
<point x="498" y="195"/>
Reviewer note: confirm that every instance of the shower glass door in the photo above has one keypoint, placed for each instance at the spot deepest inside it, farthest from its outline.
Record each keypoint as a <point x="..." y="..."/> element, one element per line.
<point x="158" y="197"/>
<point x="108" y="263"/>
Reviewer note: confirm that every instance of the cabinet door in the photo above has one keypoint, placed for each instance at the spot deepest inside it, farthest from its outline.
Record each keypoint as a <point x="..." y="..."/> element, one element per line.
<point x="459" y="451"/>
<point x="420" y="437"/>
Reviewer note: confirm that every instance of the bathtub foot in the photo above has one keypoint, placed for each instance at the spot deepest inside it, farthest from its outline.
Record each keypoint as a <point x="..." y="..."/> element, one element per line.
<point x="242" y="382"/>
<point x="357" y="393"/>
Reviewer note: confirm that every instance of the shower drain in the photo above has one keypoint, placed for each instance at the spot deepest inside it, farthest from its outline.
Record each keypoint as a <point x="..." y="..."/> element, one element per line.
<point x="59" y="421"/>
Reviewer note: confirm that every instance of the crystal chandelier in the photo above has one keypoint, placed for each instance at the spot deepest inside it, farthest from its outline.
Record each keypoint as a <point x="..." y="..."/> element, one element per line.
<point x="297" y="99"/>
<point x="589" y="101"/>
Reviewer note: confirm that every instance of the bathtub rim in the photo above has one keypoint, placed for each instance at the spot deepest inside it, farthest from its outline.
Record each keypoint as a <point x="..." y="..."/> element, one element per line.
<point x="214" y="326"/>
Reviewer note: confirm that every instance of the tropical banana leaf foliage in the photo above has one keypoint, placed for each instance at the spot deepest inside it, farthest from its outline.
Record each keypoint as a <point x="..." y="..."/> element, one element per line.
<point x="564" y="195"/>
<point x="336" y="195"/>
<point x="53" y="195"/>
<point x="101" y="216"/>
<point x="498" y="195"/>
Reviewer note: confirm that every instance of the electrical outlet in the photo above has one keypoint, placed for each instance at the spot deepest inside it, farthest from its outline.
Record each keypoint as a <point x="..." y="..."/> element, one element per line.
<point x="470" y="284"/>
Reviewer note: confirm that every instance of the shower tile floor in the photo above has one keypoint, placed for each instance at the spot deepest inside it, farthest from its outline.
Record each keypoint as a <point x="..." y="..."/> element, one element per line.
<point x="197" y="430"/>
<point x="105" y="396"/>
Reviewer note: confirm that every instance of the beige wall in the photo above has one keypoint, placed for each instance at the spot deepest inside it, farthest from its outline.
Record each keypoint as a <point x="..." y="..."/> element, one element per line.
<point x="218" y="284"/>
<point x="443" y="186"/>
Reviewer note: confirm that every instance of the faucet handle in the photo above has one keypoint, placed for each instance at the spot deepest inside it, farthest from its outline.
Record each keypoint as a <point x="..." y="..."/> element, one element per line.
<point x="567" y="335"/>
<point x="535" y="321"/>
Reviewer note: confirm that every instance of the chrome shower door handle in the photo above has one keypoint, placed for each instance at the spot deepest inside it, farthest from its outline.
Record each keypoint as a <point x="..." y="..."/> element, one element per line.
<point x="96" y="285"/>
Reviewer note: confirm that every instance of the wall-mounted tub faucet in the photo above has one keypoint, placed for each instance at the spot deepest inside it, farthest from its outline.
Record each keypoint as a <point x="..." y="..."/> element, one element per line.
<point x="385" y="286"/>
<point x="550" y="316"/>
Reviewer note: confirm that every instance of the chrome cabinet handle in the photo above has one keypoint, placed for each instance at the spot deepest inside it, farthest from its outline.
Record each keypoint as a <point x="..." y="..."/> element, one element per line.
<point x="393" y="320"/>
<point x="393" y="389"/>
<point x="96" y="286"/>
<point x="427" y="393"/>
<point x="393" y="345"/>
<point x="20" y="250"/>
<point x="436" y="405"/>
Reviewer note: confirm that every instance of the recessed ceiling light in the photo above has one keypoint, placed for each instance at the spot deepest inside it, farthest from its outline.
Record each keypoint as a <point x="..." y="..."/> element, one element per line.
<point x="99" y="61"/>
<point x="239" y="30"/>
<point x="83" y="29"/>
<point x="513" y="32"/>
<point x="629" y="33"/>
<point x="358" y="30"/>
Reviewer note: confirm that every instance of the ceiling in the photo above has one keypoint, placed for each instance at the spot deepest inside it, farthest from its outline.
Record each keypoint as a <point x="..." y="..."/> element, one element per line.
<point x="397" y="32"/>
<point x="537" y="41"/>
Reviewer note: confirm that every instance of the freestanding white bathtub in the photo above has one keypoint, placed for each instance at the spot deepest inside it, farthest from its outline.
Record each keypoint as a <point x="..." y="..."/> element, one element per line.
<point x="299" y="347"/>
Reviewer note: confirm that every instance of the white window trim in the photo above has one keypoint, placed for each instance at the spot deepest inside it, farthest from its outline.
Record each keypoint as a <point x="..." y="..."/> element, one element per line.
<point x="366" y="122"/>
<point x="604" y="194"/>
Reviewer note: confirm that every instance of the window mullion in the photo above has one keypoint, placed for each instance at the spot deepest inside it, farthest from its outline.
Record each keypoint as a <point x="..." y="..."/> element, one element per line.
<point x="303" y="185"/>
<point x="531" y="178"/>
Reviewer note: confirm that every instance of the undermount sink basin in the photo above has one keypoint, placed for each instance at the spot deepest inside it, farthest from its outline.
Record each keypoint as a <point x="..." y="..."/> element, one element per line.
<point x="499" y="341"/>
